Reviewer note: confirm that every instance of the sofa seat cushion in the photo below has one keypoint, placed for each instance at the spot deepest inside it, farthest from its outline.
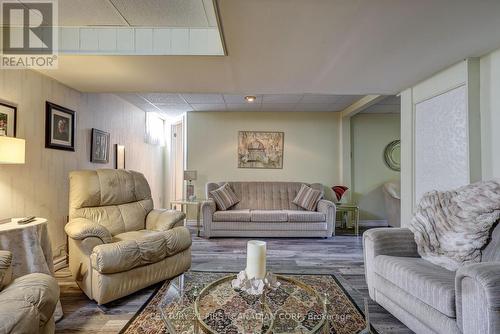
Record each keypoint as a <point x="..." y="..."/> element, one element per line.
<point x="268" y="216"/>
<point x="425" y="281"/>
<point x="146" y="249"/>
<point x="305" y="216"/>
<point x="232" y="216"/>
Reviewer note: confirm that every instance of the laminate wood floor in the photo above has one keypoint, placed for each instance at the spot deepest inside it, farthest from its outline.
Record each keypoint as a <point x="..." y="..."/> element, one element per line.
<point x="341" y="256"/>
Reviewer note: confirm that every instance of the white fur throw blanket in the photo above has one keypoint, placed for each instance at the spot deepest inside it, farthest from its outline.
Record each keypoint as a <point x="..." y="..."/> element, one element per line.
<point x="451" y="227"/>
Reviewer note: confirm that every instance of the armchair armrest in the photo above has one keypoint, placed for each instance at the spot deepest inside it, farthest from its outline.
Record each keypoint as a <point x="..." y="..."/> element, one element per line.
<point x="5" y="268"/>
<point x="478" y="298"/>
<point x="329" y="209"/>
<point x="208" y="209"/>
<point x="385" y="241"/>
<point x="164" y="220"/>
<point x="81" y="228"/>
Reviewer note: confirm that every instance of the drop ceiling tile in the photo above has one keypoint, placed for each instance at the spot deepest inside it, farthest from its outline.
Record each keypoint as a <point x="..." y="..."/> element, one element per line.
<point x="320" y="98"/>
<point x="281" y="98"/>
<point x="164" y="98"/>
<point x="203" y="98"/>
<point x="75" y="13"/>
<point x="208" y="107"/>
<point x="317" y="107"/>
<point x="278" y="106"/>
<point x="174" y="107"/>
<point x="163" y="13"/>
<point x="239" y="99"/>
<point x="243" y="106"/>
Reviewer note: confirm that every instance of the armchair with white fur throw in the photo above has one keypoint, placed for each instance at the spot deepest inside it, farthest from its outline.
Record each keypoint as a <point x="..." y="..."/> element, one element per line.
<point x="118" y="243"/>
<point x="27" y="303"/>
<point x="442" y="275"/>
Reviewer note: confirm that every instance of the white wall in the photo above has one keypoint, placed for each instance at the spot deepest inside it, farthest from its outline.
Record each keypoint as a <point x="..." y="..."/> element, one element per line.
<point x="490" y="114"/>
<point x="464" y="73"/>
<point x="40" y="187"/>
<point x="370" y="135"/>
<point x="311" y="146"/>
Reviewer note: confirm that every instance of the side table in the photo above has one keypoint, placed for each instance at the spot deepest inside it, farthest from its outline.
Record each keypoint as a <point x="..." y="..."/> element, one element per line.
<point x="31" y="250"/>
<point x="184" y="203"/>
<point x="353" y="209"/>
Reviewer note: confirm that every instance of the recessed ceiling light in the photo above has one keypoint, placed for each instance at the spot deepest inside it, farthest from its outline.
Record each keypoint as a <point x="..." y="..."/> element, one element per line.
<point x="250" y="98"/>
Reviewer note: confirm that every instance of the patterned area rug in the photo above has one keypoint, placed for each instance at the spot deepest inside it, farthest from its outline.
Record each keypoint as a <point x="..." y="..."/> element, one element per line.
<point x="343" y="315"/>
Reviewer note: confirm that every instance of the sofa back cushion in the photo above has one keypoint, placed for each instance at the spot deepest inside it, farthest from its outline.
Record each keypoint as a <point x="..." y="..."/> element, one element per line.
<point x="117" y="199"/>
<point x="264" y="195"/>
<point x="491" y="253"/>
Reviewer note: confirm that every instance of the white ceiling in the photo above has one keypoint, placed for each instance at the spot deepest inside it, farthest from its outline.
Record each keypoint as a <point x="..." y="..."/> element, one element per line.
<point x="176" y="104"/>
<point x="148" y="13"/>
<point x="389" y="105"/>
<point x="296" y="46"/>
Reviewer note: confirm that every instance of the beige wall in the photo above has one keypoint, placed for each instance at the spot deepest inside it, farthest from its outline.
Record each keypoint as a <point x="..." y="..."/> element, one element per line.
<point x="311" y="148"/>
<point x="40" y="187"/>
<point x="370" y="135"/>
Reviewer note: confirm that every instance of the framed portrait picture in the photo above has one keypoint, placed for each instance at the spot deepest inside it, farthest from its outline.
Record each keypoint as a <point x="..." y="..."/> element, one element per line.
<point x="120" y="156"/>
<point x="8" y="115"/>
<point x="99" y="148"/>
<point x="259" y="149"/>
<point x="60" y="124"/>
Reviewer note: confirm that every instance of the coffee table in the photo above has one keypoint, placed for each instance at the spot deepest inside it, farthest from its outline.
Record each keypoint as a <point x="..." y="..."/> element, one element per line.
<point x="294" y="307"/>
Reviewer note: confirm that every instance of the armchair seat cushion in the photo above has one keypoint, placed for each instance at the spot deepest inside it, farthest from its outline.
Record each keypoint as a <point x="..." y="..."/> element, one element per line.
<point x="268" y="216"/>
<point x="232" y="216"/>
<point x="28" y="303"/>
<point x="134" y="235"/>
<point x="425" y="281"/>
<point x="139" y="248"/>
<point x="305" y="216"/>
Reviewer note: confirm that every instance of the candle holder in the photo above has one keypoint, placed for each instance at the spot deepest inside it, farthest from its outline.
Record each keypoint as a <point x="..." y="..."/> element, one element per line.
<point x="254" y="286"/>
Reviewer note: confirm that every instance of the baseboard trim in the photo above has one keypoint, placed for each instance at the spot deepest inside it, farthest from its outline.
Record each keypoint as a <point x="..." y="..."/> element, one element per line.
<point x="60" y="263"/>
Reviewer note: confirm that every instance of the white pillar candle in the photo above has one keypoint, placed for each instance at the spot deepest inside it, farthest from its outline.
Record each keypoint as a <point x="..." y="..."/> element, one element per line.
<point x="256" y="259"/>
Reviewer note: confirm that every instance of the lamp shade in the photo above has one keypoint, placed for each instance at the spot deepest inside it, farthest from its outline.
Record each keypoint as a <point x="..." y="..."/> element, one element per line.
<point x="12" y="150"/>
<point x="190" y="175"/>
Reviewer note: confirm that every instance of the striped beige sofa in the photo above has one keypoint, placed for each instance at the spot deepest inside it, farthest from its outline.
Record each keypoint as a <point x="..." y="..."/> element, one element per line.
<point x="428" y="298"/>
<point x="266" y="210"/>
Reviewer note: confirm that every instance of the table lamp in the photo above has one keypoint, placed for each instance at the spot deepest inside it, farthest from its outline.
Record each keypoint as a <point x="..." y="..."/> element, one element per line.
<point x="189" y="176"/>
<point x="12" y="151"/>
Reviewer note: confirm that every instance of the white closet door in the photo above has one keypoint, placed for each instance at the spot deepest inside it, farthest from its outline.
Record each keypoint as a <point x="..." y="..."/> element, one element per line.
<point x="441" y="142"/>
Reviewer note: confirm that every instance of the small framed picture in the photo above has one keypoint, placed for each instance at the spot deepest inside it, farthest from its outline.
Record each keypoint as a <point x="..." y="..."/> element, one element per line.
<point x="99" y="148"/>
<point x="60" y="124"/>
<point x="8" y="115"/>
<point x="120" y="156"/>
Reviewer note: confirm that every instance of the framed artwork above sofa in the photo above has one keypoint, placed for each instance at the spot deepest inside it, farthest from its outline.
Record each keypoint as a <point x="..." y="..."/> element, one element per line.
<point x="260" y="149"/>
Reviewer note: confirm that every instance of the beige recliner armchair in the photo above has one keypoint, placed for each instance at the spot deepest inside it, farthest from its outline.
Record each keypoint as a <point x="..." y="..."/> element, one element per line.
<point x="118" y="243"/>
<point x="27" y="303"/>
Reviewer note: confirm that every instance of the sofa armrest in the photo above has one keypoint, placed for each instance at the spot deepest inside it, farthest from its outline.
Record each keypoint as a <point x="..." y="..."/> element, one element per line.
<point x="81" y="228"/>
<point x="329" y="209"/>
<point x="385" y="241"/>
<point x="208" y="209"/>
<point x="5" y="268"/>
<point x="478" y="298"/>
<point x="164" y="220"/>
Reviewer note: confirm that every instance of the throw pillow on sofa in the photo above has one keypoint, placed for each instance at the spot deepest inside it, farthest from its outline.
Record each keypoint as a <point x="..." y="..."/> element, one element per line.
<point x="224" y="197"/>
<point x="307" y="198"/>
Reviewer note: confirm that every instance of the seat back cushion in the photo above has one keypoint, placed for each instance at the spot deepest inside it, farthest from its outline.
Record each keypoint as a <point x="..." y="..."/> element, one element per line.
<point x="491" y="253"/>
<point x="119" y="200"/>
<point x="264" y="195"/>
